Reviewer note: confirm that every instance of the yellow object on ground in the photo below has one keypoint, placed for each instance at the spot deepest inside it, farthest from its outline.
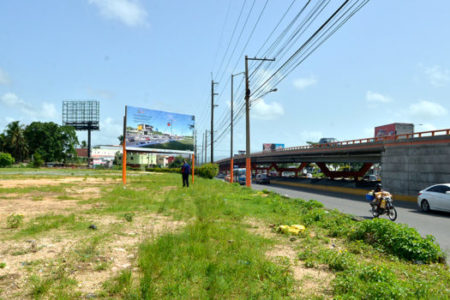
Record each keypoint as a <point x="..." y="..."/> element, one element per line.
<point x="293" y="229"/>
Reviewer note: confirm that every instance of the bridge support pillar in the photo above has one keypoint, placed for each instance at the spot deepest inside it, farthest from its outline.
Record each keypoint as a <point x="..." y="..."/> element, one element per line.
<point x="334" y="174"/>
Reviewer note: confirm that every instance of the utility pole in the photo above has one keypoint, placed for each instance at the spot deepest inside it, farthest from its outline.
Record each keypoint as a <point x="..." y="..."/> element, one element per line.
<point x="212" y="118"/>
<point x="201" y="151"/>
<point x="195" y="145"/>
<point x="231" y="128"/>
<point x="248" y="167"/>
<point x="206" y="145"/>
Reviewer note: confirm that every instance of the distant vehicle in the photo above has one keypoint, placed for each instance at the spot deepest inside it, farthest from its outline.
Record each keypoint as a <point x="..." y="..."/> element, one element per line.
<point x="435" y="197"/>
<point x="262" y="179"/>
<point x="370" y="178"/>
<point x="327" y="140"/>
<point x="241" y="180"/>
<point x="220" y="175"/>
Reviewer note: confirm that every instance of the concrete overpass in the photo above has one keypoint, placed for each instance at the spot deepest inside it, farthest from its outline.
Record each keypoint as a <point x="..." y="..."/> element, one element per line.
<point x="409" y="162"/>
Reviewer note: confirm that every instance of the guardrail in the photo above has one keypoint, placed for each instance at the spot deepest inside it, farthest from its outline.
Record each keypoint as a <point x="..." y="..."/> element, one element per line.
<point x="422" y="134"/>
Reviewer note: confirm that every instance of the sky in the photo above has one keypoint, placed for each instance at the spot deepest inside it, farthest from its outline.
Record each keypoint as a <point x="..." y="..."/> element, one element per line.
<point x="389" y="63"/>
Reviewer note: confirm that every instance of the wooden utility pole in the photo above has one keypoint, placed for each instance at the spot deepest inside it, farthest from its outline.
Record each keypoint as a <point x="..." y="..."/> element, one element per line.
<point x="248" y="167"/>
<point x="212" y="119"/>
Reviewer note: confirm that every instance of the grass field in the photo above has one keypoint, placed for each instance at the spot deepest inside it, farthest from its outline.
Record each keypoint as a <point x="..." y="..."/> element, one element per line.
<point x="77" y="234"/>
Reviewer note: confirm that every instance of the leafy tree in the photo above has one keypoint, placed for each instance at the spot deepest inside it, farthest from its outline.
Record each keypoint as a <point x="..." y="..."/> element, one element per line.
<point x="15" y="142"/>
<point x="51" y="141"/>
<point x="83" y="145"/>
<point x="2" y="142"/>
<point x="120" y="138"/>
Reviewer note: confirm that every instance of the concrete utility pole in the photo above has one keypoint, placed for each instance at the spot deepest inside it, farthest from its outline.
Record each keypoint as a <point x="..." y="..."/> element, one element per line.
<point x="212" y="118"/>
<point x="248" y="167"/>
<point x="195" y="145"/>
<point x="231" y="128"/>
<point x="206" y="145"/>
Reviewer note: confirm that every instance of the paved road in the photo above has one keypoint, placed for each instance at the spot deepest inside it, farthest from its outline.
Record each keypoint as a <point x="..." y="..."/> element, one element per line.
<point x="434" y="223"/>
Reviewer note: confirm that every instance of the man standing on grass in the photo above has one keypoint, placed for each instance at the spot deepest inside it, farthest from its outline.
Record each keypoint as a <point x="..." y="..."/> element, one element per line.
<point x="185" y="170"/>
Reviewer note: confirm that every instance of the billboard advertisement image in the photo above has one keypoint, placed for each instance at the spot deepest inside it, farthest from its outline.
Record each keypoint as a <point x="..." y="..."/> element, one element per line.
<point x="272" y="147"/>
<point x="147" y="128"/>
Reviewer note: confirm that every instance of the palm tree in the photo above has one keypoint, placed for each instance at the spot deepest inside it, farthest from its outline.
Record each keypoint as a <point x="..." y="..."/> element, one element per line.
<point x="15" y="141"/>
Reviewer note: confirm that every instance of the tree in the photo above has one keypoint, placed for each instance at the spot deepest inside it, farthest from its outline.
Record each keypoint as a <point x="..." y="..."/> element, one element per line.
<point x="6" y="160"/>
<point x="120" y="138"/>
<point x="51" y="141"/>
<point x="15" y="142"/>
<point x="83" y="145"/>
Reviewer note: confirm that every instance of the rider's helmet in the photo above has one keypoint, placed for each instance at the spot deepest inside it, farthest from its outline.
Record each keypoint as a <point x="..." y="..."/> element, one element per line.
<point x="378" y="187"/>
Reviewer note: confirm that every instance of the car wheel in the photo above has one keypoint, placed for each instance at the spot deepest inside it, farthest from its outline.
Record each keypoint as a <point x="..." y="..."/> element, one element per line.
<point x="425" y="206"/>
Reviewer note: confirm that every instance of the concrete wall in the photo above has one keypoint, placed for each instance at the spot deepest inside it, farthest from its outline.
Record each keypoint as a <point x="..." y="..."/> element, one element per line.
<point x="408" y="169"/>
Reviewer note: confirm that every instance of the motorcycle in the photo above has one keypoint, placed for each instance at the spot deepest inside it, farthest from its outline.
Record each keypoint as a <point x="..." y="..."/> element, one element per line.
<point x="385" y="206"/>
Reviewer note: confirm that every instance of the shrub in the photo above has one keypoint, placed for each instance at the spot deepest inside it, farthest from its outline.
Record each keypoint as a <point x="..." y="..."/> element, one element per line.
<point x="14" y="221"/>
<point x="398" y="239"/>
<point x="6" y="160"/>
<point x="37" y="161"/>
<point x="128" y="216"/>
<point x="164" y="170"/>
<point x="207" y="170"/>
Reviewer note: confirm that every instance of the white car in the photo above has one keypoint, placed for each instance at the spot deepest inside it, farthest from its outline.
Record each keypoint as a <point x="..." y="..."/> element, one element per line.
<point x="435" y="197"/>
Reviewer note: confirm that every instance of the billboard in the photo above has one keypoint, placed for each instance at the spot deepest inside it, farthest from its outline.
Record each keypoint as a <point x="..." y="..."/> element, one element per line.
<point x="272" y="147"/>
<point x="155" y="129"/>
<point x="394" y="129"/>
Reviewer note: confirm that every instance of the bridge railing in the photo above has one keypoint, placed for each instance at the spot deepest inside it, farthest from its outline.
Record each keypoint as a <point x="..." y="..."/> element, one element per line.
<point x="422" y="134"/>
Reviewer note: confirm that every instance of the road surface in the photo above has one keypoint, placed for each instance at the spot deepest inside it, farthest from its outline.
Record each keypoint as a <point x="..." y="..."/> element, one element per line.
<point x="434" y="223"/>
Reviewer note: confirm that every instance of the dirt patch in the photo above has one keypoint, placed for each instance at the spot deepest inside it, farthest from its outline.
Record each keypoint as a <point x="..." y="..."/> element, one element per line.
<point x="44" y="255"/>
<point x="313" y="281"/>
<point x="121" y="252"/>
<point x="13" y="183"/>
<point x="169" y="188"/>
<point x="85" y="193"/>
<point x="31" y="208"/>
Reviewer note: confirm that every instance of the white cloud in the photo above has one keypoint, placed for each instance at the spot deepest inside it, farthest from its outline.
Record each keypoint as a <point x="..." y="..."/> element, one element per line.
<point x="303" y="83"/>
<point x="377" y="97"/>
<point x="47" y="111"/>
<point x="438" y="76"/>
<point x="129" y="12"/>
<point x="4" y="78"/>
<point x="427" y="110"/>
<point x="266" y="111"/>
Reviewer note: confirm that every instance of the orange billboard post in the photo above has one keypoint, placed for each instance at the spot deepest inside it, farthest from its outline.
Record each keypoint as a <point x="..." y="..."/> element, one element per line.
<point x="124" y="150"/>
<point x="231" y="170"/>
<point x="193" y="167"/>
<point x="248" y="172"/>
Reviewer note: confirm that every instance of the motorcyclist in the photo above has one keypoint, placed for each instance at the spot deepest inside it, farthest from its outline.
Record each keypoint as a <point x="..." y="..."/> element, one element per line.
<point x="377" y="193"/>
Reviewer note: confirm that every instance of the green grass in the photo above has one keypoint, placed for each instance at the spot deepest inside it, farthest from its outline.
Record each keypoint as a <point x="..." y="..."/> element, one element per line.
<point x="215" y="255"/>
<point x="48" y="222"/>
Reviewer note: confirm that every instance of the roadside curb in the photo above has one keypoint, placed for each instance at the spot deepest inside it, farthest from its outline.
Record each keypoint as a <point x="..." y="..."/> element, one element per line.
<point x="338" y="189"/>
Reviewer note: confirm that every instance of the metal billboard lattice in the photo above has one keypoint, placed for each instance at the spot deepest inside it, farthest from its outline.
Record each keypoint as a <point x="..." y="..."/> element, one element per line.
<point x="82" y="115"/>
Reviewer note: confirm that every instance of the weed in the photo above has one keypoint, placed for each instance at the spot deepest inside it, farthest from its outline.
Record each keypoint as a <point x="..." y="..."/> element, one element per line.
<point x="39" y="286"/>
<point x="2" y="265"/>
<point x="121" y="284"/>
<point x="14" y="221"/>
<point x="128" y="216"/>
<point x="398" y="239"/>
